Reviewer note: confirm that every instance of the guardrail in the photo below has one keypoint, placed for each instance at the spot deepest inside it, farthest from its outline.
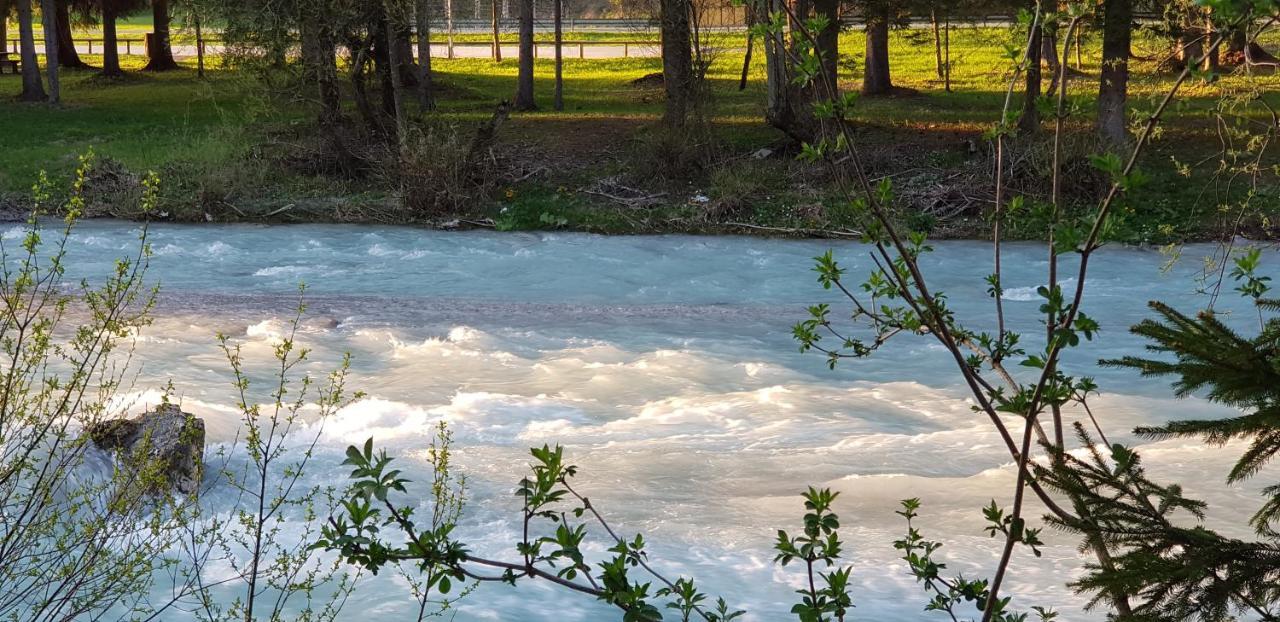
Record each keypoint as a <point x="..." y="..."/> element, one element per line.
<point x="12" y="45"/>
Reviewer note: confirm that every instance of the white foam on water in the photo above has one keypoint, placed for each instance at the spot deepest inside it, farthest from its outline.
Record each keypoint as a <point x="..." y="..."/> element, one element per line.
<point x="698" y="431"/>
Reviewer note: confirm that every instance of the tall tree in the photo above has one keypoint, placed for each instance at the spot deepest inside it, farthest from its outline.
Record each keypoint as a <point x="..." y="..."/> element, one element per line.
<point x="677" y="60"/>
<point x="559" y="27"/>
<point x="876" y="78"/>
<point x="426" y="89"/>
<point x="159" y="50"/>
<point x="1113" y="89"/>
<point x="497" y="34"/>
<point x="395" y="65"/>
<point x="68" y="56"/>
<point x="32" y="83"/>
<point x="110" y="44"/>
<point x="524" y="81"/>
<point x="829" y="37"/>
<point x="50" y="16"/>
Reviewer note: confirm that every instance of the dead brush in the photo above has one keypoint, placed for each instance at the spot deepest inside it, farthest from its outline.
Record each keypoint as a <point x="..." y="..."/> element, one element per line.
<point x="1030" y="168"/>
<point x="434" y="172"/>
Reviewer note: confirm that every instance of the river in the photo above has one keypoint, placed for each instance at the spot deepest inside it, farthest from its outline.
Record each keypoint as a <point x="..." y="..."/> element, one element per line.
<point x="666" y="368"/>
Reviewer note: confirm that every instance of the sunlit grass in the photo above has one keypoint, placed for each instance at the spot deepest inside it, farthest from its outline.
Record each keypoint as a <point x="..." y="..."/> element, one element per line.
<point x="150" y="120"/>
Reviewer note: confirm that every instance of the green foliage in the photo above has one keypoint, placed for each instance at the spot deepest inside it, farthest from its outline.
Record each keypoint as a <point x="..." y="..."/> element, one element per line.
<point x="1230" y="369"/>
<point x="74" y="542"/>
<point x="816" y="547"/>
<point x="550" y="507"/>
<point x="1173" y="572"/>
<point x="949" y="595"/>
<point x="266" y="468"/>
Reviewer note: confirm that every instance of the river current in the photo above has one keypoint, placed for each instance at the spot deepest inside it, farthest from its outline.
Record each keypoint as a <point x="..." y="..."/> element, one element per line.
<point x="666" y="368"/>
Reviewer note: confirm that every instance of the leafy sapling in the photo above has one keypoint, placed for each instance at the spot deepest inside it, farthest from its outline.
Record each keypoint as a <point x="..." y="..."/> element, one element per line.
<point x="826" y="597"/>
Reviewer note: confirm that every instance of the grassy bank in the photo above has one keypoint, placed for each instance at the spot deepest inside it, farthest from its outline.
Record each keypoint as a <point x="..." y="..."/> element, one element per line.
<point x="230" y="147"/>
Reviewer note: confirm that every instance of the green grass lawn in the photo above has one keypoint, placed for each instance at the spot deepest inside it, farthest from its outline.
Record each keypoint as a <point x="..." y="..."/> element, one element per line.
<point x="152" y="121"/>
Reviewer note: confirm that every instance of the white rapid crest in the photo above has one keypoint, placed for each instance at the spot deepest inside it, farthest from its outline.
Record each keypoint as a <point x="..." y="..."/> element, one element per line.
<point x="665" y="367"/>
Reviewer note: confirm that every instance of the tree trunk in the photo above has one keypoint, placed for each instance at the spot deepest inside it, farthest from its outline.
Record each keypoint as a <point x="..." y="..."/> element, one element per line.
<point x="1029" y="122"/>
<point x="4" y="26"/>
<point x="829" y="40"/>
<point x="199" y="46"/>
<point x="110" y="53"/>
<point x="68" y="57"/>
<point x="426" y="89"/>
<point x="524" y="81"/>
<point x="876" y="79"/>
<point x="1113" y="90"/>
<point x="32" y="83"/>
<point x="160" y="52"/>
<point x="50" y="16"/>
<point x="751" y="44"/>
<point x="1190" y="47"/>
<point x="497" y="34"/>
<point x="1049" y="54"/>
<point x="1214" y="59"/>
<point x="448" y="23"/>
<point x="395" y="66"/>
<point x="946" y="49"/>
<point x="677" y="61"/>
<point x="937" y="42"/>
<point x="559" y="26"/>
<point x="778" y="75"/>
<point x="320" y="64"/>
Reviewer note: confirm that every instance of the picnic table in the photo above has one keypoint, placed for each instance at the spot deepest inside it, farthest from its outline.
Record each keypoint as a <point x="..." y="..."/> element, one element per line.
<point x="11" y="63"/>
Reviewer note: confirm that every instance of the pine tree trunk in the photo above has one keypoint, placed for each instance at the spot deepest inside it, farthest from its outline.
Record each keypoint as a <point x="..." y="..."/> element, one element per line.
<point x="110" y="53"/>
<point x="426" y="89"/>
<point x="50" y="16"/>
<point x="1113" y="90"/>
<point x="677" y="61"/>
<point x="160" y="52"/>
<point x="829" y="39"/>
<point x="559" y="26"/>
<point x="32" y="83"/>
<point x="68" y="57"/>
<point x="524" y="81"/>
<point x="876" y="79"/>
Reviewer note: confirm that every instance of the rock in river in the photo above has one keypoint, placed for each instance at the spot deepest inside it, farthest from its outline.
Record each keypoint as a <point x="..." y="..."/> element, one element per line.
<point x="165" y="445"/>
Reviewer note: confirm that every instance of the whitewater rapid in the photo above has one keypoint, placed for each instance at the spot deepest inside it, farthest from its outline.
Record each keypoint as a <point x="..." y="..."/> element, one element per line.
<point x="666" y="368"/>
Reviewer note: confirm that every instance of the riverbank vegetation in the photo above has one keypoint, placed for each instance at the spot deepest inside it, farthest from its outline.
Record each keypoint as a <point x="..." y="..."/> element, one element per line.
<point x="241" y="142"/>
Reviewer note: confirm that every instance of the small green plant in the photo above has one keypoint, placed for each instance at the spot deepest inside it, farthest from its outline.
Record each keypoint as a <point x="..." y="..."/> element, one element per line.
<point x="827" y="597"/>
